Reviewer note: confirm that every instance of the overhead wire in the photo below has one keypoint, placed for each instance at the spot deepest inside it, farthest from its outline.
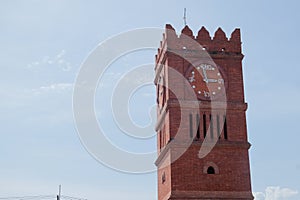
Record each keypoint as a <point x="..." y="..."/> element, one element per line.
<point x="40" y="197"/>
<point x="29" y="197"/>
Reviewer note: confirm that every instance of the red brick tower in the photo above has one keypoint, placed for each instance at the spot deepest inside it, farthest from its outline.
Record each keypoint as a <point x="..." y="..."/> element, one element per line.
<point x="213" y="117"/>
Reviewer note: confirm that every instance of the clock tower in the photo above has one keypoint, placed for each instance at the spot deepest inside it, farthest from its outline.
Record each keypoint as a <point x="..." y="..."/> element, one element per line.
<point x="201" y="121"/>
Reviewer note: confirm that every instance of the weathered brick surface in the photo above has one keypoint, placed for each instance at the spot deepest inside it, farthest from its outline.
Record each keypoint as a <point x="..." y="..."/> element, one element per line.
<point x="186" y="177"/>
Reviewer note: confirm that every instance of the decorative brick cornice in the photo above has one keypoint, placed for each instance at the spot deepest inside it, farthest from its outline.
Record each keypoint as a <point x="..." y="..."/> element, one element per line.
<point x="209" y="195"/>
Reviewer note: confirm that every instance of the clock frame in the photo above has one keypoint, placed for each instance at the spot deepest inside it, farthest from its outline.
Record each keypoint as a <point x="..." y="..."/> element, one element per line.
<point x="207" y="79"/>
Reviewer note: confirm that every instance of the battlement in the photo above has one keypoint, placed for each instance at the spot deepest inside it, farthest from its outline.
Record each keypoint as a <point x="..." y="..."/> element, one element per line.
<point x="218" y="44"/>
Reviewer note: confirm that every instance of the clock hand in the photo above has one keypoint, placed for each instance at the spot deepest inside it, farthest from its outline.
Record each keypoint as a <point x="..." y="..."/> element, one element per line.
<point x="212" y="80"/>
<point x="205" y="75"/>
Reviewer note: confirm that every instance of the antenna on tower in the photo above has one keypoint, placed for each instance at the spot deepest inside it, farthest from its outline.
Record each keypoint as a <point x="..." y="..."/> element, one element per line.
<point x="184" y="16"/>
<point x="58" y="197"/>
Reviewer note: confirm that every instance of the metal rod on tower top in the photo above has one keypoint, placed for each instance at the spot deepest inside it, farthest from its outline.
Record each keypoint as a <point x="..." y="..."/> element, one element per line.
<point x="184" y="16"/>
<point x="59" y="192"/>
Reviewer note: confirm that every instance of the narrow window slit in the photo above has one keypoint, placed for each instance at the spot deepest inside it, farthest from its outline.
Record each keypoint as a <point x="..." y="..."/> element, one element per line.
<point x="225" y="128"/>
<point x="218" y="127"/>
<point x="161" y="139"/>
<point x="163" y="177"/>
<point x="198" y="126"/>
<point x="191" y="126"/>
<point x="211" y="126"/>
<point x="204" y="125"/>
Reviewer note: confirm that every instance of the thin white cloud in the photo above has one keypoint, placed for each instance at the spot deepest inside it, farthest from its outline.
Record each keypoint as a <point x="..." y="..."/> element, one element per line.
<point x="275" y="193"/>
<point x="259" y="195"/>
<point x="57" y="60"/>
<point x="61" y="54"/>
<point x="56" y="87"/>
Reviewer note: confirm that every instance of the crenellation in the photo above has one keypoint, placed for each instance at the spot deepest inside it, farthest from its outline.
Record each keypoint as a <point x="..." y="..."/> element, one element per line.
<point x="203" y="35"/>
<point x="169" y="26"/>
<point x="187" y="32"/>
<point x="220" y="36"/>
<point x="235" y="36"/>
<point x="220" y="43"/>
<point x="170" y="32"/>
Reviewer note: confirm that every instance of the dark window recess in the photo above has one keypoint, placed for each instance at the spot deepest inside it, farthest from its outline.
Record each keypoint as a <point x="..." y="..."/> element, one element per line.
<point x="210" y="170"/>
<point x="218" y="127"/>
<point x="160" y="139"/>
<point x="198" y="126"/>
<point x="164" y="140"/>
<point x="191" y="126"/>
<point x="164" y="96"/>
<point x="163" y="177"/>
<point x="204" y="125"/>
<point x="211" y="126"/>
<point x="225" y="128"/>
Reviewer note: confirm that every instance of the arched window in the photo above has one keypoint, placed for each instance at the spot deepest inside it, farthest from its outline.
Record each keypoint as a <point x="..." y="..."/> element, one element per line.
<point x="210" y="170"/>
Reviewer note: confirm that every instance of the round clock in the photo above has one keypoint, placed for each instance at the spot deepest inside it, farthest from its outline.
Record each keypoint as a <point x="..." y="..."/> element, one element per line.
<point x="207" y="80"/>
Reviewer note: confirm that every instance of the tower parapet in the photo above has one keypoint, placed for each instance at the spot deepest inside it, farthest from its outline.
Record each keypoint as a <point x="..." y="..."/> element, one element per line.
<point x="218" y="44"/>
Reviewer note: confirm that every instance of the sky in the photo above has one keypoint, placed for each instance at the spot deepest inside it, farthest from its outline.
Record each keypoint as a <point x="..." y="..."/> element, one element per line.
<point x="43" y="45"/>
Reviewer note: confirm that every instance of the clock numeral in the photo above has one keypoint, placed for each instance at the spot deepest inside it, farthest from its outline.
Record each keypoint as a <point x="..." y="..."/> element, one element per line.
<point x="206" y="94"/>
<point x="207" y="67"/>
<point x="192" y="78"/>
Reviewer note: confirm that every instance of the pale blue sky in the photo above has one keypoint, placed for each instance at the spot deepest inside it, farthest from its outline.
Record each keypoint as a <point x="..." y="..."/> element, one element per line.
<point x="43" y="44"/>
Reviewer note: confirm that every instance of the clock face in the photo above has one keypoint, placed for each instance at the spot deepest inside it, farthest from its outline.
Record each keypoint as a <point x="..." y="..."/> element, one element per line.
<point x="207" y="81"/>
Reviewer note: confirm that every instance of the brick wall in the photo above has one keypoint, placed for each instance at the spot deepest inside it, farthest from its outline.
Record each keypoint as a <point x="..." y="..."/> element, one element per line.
<point x="186" y="177"/>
